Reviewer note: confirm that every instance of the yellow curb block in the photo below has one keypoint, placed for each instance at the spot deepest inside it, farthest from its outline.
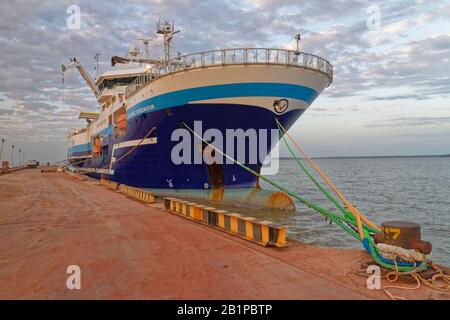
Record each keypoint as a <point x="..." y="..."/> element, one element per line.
<point x="264" y="233"/>
<point x="136" y="193"/>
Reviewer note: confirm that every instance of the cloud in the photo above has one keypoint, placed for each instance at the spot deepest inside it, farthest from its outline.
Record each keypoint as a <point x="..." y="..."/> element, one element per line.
<point x="397" y="27"/>
<point x="411" y="122"/>
<point x="35" y="41"/>
<point x="398" y="97"/>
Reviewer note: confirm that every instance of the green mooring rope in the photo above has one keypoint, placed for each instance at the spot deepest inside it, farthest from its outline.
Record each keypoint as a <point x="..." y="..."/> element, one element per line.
<point x="367" y="230"/>
<point x="345" y="222"/>
<point x="338" y="205"/>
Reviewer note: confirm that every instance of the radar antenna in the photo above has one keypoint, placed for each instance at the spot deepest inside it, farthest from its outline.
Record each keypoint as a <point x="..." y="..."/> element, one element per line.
<point x="167" y="30"/>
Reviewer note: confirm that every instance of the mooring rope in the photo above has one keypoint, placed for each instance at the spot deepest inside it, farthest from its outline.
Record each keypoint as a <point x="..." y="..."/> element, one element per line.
<point x="352" y="209"/>
<point x="346" y="213"/>
<point x="344" y="222"/>
<point x="416" y="265"/>
<point x="353" y="222"/>
<point x="432" y="283"/>
<point x="364" y="230"/>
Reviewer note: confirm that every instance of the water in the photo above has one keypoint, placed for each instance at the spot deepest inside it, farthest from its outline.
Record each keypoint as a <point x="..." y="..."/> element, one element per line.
<point x="411" y="189"/>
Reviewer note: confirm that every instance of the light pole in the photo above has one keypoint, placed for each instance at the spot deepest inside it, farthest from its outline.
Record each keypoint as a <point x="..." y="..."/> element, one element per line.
<point x="20" y="157"/>
<point x="1" y="149"/>
<point x="12" y="156"/>
<point x="23" y="157"/>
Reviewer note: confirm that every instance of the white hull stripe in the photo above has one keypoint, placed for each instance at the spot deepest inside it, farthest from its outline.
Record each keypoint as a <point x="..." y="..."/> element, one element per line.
<point x="132" y="143"/>
<point x="232" y="90"/>
<point x="262" y="102"/>
<point x="80" y="157"/>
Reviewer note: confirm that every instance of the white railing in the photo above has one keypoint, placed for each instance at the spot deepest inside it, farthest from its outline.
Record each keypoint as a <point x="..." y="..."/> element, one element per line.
<point x="233" y="57"/>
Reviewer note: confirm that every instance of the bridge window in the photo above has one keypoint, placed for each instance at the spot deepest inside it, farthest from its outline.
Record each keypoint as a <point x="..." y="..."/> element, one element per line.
<point x="112" y="83"/>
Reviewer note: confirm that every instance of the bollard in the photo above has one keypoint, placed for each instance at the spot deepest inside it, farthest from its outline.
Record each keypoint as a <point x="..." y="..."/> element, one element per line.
<point x="403" y="234"/>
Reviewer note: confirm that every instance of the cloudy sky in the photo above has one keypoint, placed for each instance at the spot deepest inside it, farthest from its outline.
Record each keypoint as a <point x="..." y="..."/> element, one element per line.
<point x="390" y="94"/>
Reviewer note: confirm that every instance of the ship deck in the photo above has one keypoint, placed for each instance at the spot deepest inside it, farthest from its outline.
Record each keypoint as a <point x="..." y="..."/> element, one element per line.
<point x="130" y="250"/>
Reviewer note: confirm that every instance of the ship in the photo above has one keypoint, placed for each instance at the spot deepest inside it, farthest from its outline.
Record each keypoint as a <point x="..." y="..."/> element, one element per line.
<point x="142" y="101"/>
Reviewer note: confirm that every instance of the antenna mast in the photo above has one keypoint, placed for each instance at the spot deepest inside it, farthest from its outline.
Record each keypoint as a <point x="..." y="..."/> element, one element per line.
<point x="167" y="30"/>
<point x="298" y="37"/>
<point x="146" y="42"/>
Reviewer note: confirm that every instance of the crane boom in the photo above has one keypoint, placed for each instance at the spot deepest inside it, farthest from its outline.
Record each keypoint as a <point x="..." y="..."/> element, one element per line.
<point x="74" y="63"/>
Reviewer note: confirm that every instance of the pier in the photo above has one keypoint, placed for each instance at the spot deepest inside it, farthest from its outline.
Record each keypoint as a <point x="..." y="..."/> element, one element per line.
<point x="129" y="249"/>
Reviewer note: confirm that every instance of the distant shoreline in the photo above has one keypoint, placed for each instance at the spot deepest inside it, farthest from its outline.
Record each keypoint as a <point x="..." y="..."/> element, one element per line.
<point x="374" y="157"/>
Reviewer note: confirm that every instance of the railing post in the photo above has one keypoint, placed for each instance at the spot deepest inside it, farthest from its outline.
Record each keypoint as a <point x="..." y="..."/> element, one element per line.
<point x="292" y="58"/>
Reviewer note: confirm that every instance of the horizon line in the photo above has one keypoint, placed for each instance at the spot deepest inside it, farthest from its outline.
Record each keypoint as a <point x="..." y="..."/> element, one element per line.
<point x="373" y="156"/>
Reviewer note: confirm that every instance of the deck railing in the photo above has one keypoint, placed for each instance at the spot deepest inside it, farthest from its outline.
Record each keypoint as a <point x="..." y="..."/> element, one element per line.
<point x="232" y="57"/>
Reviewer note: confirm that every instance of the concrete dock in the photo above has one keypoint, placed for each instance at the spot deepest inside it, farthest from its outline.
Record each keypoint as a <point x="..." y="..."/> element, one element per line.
<point x="128" y="250"/>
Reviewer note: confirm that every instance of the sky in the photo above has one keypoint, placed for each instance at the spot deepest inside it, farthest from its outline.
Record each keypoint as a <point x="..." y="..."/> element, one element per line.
<point x="391" y="88"/>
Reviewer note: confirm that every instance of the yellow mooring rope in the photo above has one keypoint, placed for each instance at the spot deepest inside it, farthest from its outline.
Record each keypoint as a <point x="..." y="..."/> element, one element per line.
<point x="392" y="276"/>
<point x="359" y="217"/>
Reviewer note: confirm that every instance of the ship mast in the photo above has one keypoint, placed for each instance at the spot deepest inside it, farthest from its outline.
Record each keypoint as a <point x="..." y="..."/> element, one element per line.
<point x="167" y="29"/>
<point x="298" y="37"/>
<point x="146" y="42"/>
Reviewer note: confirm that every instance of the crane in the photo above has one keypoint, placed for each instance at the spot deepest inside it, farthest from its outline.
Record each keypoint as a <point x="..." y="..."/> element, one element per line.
<point x="73" y="63"/>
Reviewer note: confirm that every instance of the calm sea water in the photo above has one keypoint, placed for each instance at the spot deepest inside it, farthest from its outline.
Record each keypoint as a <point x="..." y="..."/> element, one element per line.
<point x="383" y="189"/>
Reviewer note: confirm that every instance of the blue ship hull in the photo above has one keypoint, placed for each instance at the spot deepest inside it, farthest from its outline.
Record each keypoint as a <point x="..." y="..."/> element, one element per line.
<point x="151" y="166"/>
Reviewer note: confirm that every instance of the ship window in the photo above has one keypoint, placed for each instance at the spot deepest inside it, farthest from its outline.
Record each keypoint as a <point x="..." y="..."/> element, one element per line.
<point x="112" y="83"/>
<point x="124" y="81"/>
